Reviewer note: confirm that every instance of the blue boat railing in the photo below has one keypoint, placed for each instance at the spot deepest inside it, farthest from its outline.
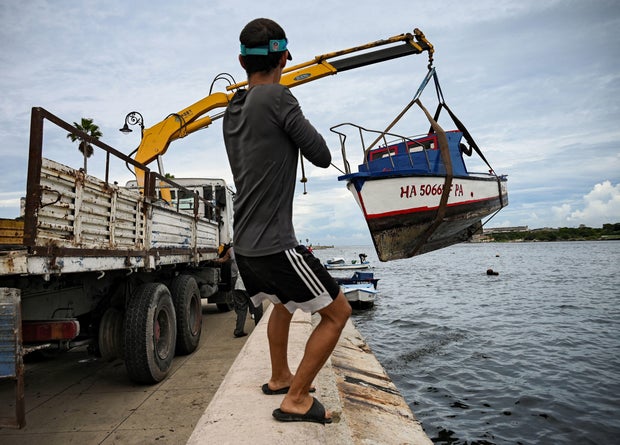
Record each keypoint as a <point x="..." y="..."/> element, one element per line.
<point x="390" y="152"/>
<point x="388" y="145"/>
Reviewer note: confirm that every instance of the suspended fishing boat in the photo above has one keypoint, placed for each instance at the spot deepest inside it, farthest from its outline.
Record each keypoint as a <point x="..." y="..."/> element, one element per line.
<point x="416" y="193"/>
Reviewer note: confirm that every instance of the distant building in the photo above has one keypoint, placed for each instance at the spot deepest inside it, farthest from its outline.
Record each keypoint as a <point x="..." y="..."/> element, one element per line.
<point x="484" y="236"/>
<point x="546" y="229"/>
<point x="492" y="230"/>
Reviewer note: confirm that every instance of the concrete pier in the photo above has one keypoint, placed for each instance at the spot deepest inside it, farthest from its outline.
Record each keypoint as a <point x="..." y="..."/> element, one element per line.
<point x="366" y="406"/>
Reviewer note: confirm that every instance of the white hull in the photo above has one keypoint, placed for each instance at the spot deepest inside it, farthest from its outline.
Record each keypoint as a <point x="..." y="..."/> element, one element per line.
<point x="356" y="266"/>
<point x="361" y="292"/>
<point x="406" y="194"/>
<point x="404" y="216"/>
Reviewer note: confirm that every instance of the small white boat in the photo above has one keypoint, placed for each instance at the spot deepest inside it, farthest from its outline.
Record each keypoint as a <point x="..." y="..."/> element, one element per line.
<point x="340" y="264"/>
<point x="335" y="261"/>
<point x="352" y="266"/>
<point x="362" y="294"/>
<point x="360" y="289"/>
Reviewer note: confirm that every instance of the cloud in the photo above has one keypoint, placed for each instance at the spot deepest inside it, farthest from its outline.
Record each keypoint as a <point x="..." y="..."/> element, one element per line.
<point x="535" y="83"/>
<point x="600" y="205"/>
<point x="10" y="203"/>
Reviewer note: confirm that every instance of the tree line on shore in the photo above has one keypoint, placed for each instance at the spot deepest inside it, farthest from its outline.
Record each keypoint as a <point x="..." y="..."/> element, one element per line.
<point x="581" y="233"/>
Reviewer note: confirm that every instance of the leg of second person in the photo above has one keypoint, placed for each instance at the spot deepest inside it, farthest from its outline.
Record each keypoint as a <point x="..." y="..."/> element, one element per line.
<point x="240" y="303"/>
<point x="257" y="311"/>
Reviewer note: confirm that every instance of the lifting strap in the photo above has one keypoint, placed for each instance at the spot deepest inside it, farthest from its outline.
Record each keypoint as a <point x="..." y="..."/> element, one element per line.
<point x="443" y="202"/>
<point x="432" y="73"/>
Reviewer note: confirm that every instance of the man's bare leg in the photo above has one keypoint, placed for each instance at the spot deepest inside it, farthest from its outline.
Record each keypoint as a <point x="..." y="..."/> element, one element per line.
<point x="277" y="334"/>
<point x="320" y="345"/>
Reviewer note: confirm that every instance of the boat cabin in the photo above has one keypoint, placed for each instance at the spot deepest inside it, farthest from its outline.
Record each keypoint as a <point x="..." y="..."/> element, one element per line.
<point x="420" y="155"/>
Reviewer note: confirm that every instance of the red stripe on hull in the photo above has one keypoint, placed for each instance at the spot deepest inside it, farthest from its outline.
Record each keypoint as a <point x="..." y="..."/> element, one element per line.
<point x="421" y="209"/>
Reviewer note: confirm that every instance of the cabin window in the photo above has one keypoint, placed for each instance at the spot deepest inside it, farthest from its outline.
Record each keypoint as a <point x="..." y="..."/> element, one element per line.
<point x="384" y="152"/>
<point x="425" y="144"/>
<point x="173" y="194"/>
<point x="208" y="194"/>
<point x="186" y="200"/>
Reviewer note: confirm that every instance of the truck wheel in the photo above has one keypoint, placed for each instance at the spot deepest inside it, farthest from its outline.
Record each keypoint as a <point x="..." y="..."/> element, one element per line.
<point x="188" y="308"/>
<point x="111" y="334"/>
<point x="150" y="333"/>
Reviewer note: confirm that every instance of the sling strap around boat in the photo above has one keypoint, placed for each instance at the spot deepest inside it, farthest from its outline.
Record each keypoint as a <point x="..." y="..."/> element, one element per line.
<point x="459" y="125"/>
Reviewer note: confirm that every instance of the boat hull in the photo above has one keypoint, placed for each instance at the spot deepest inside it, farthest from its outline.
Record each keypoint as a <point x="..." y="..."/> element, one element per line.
<point x="359" y="289"/>
<point x="361" y="295"/>
<point x="355" y="266"/>
<point x="402" y="212"/>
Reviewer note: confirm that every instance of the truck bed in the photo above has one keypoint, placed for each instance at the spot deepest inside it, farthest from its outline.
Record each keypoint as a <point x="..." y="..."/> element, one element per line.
<point x="85" y="224"/>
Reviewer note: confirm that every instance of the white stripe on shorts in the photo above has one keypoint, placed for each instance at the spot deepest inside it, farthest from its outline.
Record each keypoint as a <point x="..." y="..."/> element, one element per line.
<point x="305" y="272"/>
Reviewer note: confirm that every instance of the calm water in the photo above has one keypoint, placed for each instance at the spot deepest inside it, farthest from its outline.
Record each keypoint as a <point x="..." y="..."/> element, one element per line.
<point x="530" y="356"/>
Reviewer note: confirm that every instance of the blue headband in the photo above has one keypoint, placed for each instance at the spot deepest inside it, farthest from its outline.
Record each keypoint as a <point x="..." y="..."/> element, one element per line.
<point x="274" y="46"/>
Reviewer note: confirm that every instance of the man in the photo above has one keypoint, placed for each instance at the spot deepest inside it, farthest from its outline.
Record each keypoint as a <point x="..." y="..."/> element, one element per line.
<point x="264" y="131"/>
<point x="239" y="297"/>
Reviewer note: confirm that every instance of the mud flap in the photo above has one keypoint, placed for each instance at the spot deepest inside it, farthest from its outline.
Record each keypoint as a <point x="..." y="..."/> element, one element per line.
<point x="11" y="354"/>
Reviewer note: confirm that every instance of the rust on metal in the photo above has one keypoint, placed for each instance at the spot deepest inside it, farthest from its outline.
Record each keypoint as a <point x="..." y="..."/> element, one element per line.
<point x="374" y="407"/>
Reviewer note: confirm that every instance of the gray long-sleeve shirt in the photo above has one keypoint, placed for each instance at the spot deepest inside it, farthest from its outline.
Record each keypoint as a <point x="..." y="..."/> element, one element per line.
<point x="264" y="129"/>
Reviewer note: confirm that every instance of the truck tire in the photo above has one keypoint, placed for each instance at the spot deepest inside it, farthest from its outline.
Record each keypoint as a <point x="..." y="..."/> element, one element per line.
<point x="110" y="339"/>
<point x="150" y="333"/>
<point x="188" y="309"/>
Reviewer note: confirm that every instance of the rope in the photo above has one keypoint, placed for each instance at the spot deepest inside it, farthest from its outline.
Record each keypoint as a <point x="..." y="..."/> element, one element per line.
<point x="459" y="125"/>
<point x="447" y="185"/>
<point x="303" y="179"/>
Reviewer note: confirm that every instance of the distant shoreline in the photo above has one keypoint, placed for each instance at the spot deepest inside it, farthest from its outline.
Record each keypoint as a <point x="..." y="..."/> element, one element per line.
<point x="523" y="234"/>
<point x="522" y="240"/>
<point x="488" y="241"/>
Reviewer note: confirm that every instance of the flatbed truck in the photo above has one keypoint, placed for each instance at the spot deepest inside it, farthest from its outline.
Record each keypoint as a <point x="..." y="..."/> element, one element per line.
<point x="114" y="267"/>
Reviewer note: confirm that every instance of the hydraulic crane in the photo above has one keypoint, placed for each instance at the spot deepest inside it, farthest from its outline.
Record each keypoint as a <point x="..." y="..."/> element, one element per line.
<point x="156" y="139"/>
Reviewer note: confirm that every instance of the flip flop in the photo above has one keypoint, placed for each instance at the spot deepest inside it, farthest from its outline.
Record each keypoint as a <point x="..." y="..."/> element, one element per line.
<point x="272" y="392"/>
<point x="315" y="414"/>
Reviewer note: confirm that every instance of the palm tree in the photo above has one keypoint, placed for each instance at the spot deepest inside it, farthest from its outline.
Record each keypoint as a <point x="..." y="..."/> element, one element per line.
<point x="87" y="126"/>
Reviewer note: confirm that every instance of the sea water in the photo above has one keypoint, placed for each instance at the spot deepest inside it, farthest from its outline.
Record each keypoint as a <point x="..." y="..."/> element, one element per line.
<point x="528" y="356"/>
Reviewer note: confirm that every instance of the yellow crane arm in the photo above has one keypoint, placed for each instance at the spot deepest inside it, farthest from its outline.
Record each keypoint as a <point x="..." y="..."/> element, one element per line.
<point x="156" y="139"/>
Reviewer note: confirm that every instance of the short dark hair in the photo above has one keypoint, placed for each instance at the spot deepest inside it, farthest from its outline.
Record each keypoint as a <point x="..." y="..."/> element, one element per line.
<point x="258" y="33"/>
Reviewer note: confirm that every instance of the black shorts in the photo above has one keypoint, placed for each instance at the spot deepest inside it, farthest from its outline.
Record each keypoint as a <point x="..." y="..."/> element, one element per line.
<point x="295" y="278"/>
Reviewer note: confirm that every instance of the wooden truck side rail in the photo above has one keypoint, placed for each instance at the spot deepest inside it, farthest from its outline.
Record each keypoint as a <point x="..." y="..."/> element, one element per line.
<point x="75" y="222"/>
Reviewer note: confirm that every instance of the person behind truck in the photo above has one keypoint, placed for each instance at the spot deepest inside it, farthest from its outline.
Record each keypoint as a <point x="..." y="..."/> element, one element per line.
<point x="264" y="132"/>
<point x="240" y="298"/>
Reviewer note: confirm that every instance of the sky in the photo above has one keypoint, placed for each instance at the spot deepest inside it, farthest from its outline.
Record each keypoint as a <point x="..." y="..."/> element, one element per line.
<point x="536" y="83"/>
